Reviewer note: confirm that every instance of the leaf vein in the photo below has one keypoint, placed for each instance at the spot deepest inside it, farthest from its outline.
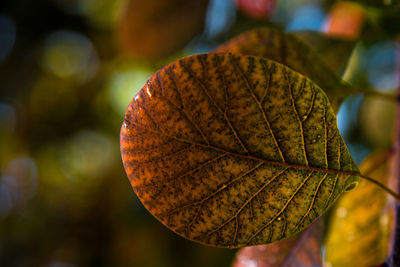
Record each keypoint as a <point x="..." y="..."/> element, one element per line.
<point x="312" y="202"/>
<point x="331" y="193"/>
<point x="305" y="117"/>
<point x="240" y="71"/>
<point x="182" y="111"/>
<point x="282" y="210"/>
<point x="271" y="162"/>
<point x="215" y="105"/>
<point x="223" y="187"/>
<point x="325" y="139"/>
<point x="247" y="201"/>
<point x="298" y="117"/>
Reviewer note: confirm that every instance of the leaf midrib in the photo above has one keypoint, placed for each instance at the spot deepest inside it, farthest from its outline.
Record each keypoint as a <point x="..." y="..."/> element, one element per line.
<point x="249" y="156"/>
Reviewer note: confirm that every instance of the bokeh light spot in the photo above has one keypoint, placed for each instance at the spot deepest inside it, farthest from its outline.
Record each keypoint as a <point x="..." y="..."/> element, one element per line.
<point x="124" y="86"/>
<point x="102" y="13"/>
<point x="259" y="9"/>
<point x="7" y="36"/>
<point x="18" y="184"/>
<point x="88" y="154"/>
<point x="24" y="171"/>
<point x="8" y="118"/>
<point x="6" y="202"/>
<point x="381" y="65"/>
<point x="341" y="212"/>
<point x="220" y="16"/>
<point x="307" y="17"/>
<point x="68" y="53"/>
<point x="345" y="20"/>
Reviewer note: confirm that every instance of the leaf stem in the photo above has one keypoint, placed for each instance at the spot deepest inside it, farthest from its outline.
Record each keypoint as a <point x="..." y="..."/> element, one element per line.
<point x="375" y="93"/>
<point x="382" y="159"/>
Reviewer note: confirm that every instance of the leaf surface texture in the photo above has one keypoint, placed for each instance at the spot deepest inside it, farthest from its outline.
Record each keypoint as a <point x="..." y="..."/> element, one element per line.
<point x="230" y="150"/>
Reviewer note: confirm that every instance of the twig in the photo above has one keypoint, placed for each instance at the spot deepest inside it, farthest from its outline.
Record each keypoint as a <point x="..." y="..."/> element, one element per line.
<point x="384" y="187"/>
<point x="382" y="159"/>
<point x="376" y="93"/>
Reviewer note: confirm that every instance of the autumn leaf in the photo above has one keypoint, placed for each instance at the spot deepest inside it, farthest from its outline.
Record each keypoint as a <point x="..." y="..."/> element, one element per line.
<point x="303" y="250"/>
<point x="231" y="150"/>
<point x="291" y="51"/>
<point x="154" y="29"/>
<point x="359" y="232"/>
<point x="334" y="51"/>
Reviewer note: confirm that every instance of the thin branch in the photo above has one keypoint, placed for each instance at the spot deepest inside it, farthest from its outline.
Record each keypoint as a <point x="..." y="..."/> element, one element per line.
<point x="381" y="185"/>
<point x="375" y="93"/>
<point x="382" y="159"/>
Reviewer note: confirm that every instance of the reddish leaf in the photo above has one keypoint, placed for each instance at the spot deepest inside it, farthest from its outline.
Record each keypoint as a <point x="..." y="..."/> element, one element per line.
<point x="303" y="250"/>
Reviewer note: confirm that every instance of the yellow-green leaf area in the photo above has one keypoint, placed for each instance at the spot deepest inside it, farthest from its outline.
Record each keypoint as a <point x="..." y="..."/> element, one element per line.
<point x="231" y="150"/>
<point x="360" y="226"/>
<point x="289" y="50"/>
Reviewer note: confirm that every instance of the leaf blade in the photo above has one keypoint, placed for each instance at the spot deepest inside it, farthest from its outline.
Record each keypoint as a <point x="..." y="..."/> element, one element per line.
<point x="334" y="51"/>
<point x="231" y="186"/>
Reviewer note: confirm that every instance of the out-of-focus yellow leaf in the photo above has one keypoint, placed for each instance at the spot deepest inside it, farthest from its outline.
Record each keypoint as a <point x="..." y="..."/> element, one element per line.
<point x="231" y="150"/>
<point x="153" y="29"/>
<point x="334" y="51"/>
<point x="376" y="117"/>
<point x="291" y="51"/>
<point x="359" y="230"/>
<point x="301" y="251"/>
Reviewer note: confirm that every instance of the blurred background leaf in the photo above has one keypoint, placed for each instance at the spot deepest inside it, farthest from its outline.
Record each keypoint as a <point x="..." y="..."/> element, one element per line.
<point x="291" y="51"/>
<point x="301" y="251"/>
<point x="360" y="225"/>
<point x="334" y="51"/>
